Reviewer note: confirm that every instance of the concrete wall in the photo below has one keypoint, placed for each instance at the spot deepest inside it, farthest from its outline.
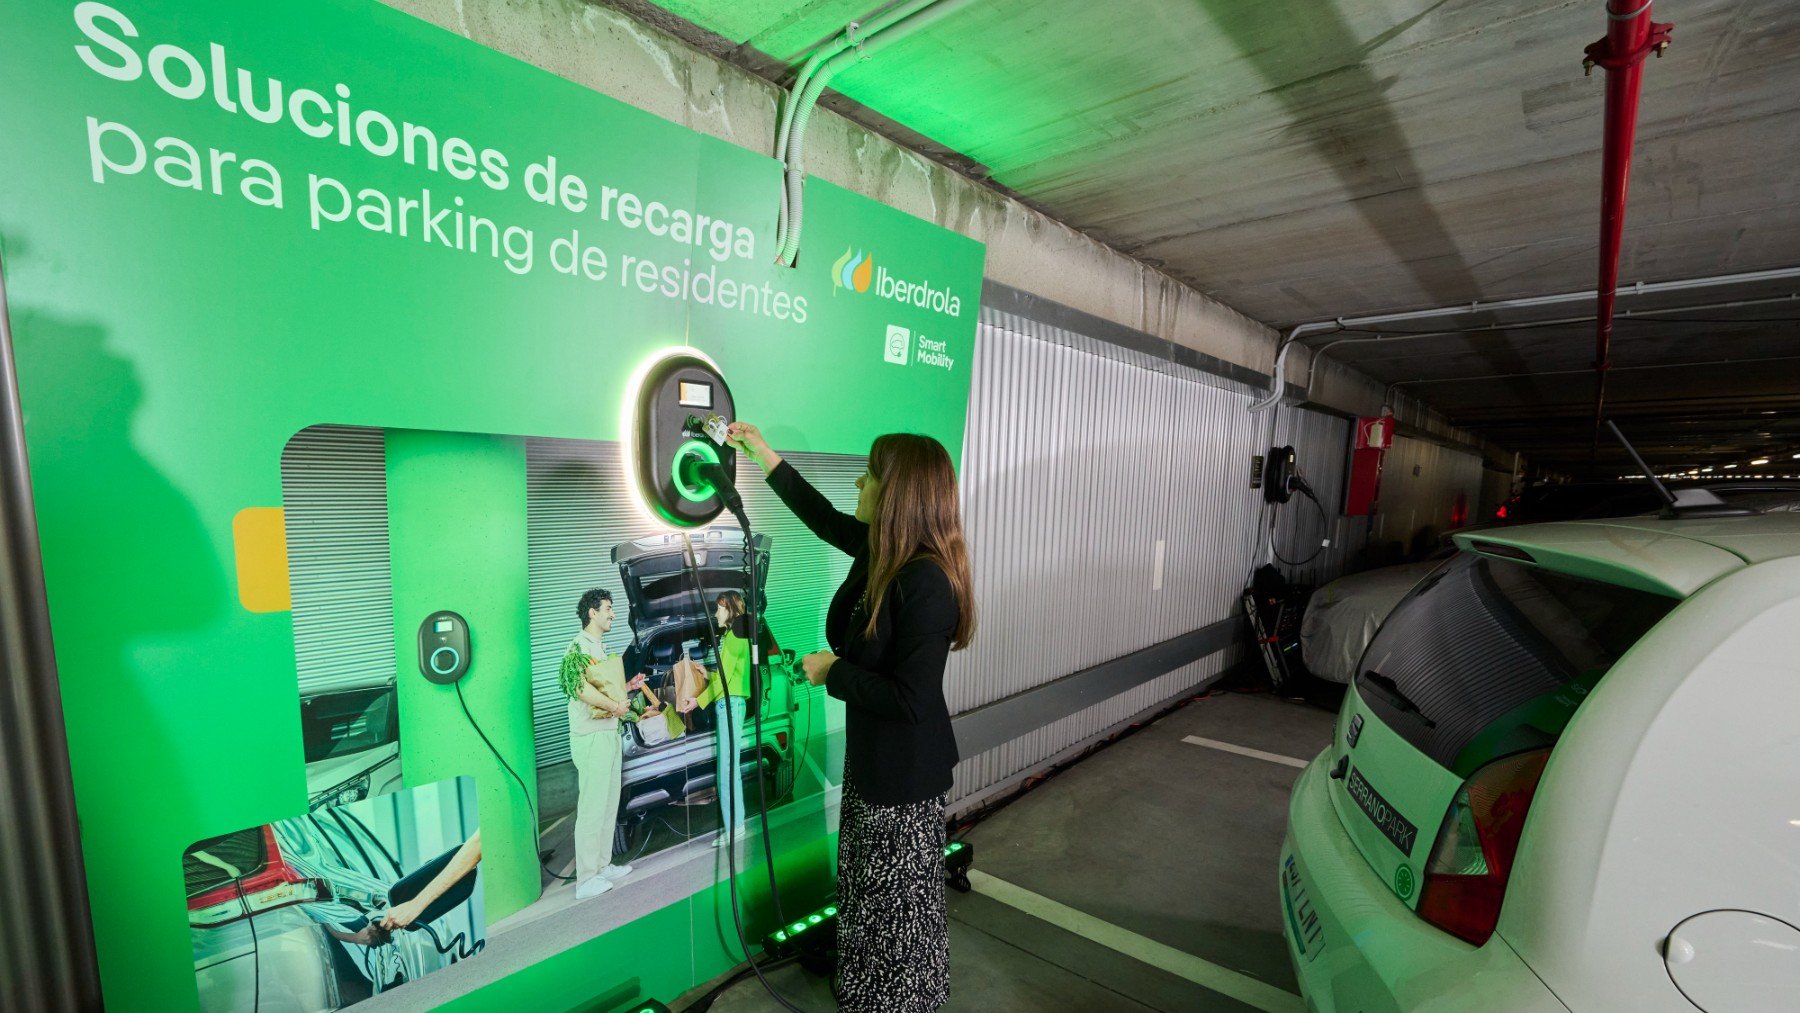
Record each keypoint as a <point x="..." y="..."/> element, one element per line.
<point x="610" y="52"/>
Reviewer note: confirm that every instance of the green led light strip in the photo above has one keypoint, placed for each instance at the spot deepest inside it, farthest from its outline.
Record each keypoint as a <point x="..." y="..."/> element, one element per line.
<point x="829" y="913"/>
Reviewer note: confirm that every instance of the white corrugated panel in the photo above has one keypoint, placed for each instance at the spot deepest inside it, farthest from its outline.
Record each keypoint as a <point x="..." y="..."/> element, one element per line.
<point x="1081" y="456"/>
<point x="1421" y="483"/>
<point x="334" y="498"/>
<point x="578" y="508"/>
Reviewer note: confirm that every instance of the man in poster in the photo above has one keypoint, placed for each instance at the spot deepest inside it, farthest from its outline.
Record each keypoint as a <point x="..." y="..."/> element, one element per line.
<point x="598" y="697"/>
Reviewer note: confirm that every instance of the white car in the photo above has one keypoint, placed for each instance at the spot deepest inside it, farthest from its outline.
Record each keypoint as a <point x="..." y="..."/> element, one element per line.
<point x="1567" y="776"/>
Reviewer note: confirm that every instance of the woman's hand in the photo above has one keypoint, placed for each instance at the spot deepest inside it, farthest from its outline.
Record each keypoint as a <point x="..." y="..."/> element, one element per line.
<point x="749" y="439"/>
<point x="818" y="665"/>
<point x="401" y="915"/>
<point x="686" y="705"/>
<point x="637" y="682"/>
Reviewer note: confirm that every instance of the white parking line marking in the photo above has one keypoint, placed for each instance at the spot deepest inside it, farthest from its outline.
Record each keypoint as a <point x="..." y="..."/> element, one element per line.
<point x="1245" y="751"/>
<point x="1206" y="974"/>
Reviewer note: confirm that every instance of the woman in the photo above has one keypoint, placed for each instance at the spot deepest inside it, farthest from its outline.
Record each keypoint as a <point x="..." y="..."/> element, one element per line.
<point x="729" y="688"/>
<point x="906" y="604"/>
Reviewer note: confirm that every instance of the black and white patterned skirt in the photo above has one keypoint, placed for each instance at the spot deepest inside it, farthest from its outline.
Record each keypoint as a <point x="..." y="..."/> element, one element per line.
<point x="893" y="935"/>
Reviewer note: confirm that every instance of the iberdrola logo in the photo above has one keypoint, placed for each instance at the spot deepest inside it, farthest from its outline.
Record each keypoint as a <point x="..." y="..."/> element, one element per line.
<point x="852" y="271"/>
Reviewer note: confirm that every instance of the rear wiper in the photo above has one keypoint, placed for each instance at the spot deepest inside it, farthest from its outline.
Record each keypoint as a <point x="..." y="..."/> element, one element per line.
<point x="1390" y="691"/>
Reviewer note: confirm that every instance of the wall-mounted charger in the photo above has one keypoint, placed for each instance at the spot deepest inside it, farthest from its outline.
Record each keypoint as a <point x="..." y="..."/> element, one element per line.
<point x="444" y="647"/>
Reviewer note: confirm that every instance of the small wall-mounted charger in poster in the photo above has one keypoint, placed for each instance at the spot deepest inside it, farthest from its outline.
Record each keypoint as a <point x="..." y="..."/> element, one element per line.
<point x="444" y="647"/>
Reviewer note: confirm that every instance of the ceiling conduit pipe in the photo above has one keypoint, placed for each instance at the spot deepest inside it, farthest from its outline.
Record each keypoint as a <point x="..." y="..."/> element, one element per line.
<point x="1650" y="314"/>
<point x="851" y="36"/>
<point x="1630" y="38"/>
<point x="858" y="45"/>
<point x="1641" y="288"/>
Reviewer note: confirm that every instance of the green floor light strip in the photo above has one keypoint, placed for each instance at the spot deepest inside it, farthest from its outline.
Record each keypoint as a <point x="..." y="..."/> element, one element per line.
<point x="817" y="932"/>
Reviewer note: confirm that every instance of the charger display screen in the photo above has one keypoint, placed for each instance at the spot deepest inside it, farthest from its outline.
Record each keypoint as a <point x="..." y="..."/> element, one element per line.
<point x="441" y="626"/>
<point x="695" y="395"/>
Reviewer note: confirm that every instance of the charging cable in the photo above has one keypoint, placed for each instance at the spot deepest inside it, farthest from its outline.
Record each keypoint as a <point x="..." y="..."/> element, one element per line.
<point x="759" y="691"/>
<point x="737" y="920"/>
<point x="529" y="804"/>
<point x="1299" y="484"/>
<point x="255" y="946"/>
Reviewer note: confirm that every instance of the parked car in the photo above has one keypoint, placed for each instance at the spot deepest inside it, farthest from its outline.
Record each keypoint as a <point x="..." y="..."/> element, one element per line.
<point x="273" y="911"/>
<point x="1564" y="777"/>
<point x="1342" y="617"/>
<point x="669" y="619"/>
<point x="352" y="741"/>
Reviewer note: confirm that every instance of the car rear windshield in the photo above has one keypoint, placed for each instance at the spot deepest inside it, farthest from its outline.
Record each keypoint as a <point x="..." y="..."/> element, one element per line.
<point x="221" y="860"/>
<point x="337" y="724"/>
<point x="1488" y="657"/>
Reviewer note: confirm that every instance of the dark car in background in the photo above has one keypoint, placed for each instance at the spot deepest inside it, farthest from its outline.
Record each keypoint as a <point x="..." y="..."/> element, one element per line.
<point x="671" y="613"/>
<point x="352" y="740"/>
<point x="1576" y="501"/>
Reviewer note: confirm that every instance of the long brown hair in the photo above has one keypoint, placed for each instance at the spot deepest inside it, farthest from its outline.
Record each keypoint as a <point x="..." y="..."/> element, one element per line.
<point x="916" y="515"/>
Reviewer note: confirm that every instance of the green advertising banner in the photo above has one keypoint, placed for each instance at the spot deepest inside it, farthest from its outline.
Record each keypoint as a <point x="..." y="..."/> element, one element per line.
<point x="225" y="223"/>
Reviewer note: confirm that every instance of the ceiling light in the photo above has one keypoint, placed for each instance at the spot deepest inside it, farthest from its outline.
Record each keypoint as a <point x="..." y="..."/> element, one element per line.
<point x="1758" y="461"/>
<point x="1728" y="467"/>
<point x="1706" y="469"/>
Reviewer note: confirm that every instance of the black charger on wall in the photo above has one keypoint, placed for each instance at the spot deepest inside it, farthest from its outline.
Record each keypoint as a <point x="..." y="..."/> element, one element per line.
<point x="1281" y="475"/>
<point x="444" y="647"/>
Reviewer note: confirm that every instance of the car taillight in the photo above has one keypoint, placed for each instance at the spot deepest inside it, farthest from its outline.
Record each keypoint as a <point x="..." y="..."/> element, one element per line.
<point x="273" y="885"/>
<point x="1500" y="514"/>
<point x="781" y="741"/>
<point x="1465" y="881"/>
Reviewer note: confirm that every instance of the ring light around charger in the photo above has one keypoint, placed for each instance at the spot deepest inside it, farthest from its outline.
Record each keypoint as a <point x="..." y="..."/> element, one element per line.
<point x="680" y="472"/>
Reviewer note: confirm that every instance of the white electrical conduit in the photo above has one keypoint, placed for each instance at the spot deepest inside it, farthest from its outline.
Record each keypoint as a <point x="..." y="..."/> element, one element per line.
<point x="1582" y="372"/>
<point x="1640" y="289"/>
<point x="1650" y="314"/>
<point x="852" y="35"/>
<point x="859" y="42"/>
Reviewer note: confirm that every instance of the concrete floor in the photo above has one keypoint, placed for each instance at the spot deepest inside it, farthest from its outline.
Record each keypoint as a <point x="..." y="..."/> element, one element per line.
<point x="1175" y="842"/>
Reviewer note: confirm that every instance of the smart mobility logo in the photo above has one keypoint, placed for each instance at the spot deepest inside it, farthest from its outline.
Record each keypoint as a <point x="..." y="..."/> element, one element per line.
<point x="899" y="344"/>
<point x="852" y="272"/>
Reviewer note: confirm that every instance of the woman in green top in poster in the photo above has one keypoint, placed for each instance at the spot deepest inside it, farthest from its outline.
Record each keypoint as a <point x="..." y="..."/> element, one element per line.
<point x="729" y="687"/>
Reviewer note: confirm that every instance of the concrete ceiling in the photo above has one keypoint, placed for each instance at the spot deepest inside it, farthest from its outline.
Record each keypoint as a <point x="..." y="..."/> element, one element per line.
<point x="1310" y="159"/>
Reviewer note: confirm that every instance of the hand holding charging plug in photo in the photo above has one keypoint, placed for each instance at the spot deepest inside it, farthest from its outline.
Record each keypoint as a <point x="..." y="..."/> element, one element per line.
<point x="818" y="665"/>
<point x="467" y="857"/>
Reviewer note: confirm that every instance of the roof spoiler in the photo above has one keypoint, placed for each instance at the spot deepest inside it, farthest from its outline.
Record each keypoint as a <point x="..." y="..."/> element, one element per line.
<point x="1686" y="503"/>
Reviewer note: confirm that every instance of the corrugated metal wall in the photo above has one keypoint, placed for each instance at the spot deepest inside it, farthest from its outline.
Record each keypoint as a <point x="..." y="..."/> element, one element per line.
<point x="1420" y="483"/>
<point x="334" y="498"/>
<point x="1083" y="461"/>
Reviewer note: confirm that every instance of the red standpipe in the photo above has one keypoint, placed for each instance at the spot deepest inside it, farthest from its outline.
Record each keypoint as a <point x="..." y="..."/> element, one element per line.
<point x="1630" y="38"/>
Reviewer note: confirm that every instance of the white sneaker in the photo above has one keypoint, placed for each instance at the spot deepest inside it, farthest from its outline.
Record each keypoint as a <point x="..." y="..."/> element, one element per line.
<point x="594" y="887"/>
<point x="616" y="872"/>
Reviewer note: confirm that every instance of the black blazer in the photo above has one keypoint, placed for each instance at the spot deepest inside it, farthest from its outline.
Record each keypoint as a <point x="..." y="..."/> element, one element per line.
<point x="898" y="745"/>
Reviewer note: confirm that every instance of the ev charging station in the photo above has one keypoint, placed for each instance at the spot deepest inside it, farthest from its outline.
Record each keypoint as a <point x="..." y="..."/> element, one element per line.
<point x="680" y="463"/>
